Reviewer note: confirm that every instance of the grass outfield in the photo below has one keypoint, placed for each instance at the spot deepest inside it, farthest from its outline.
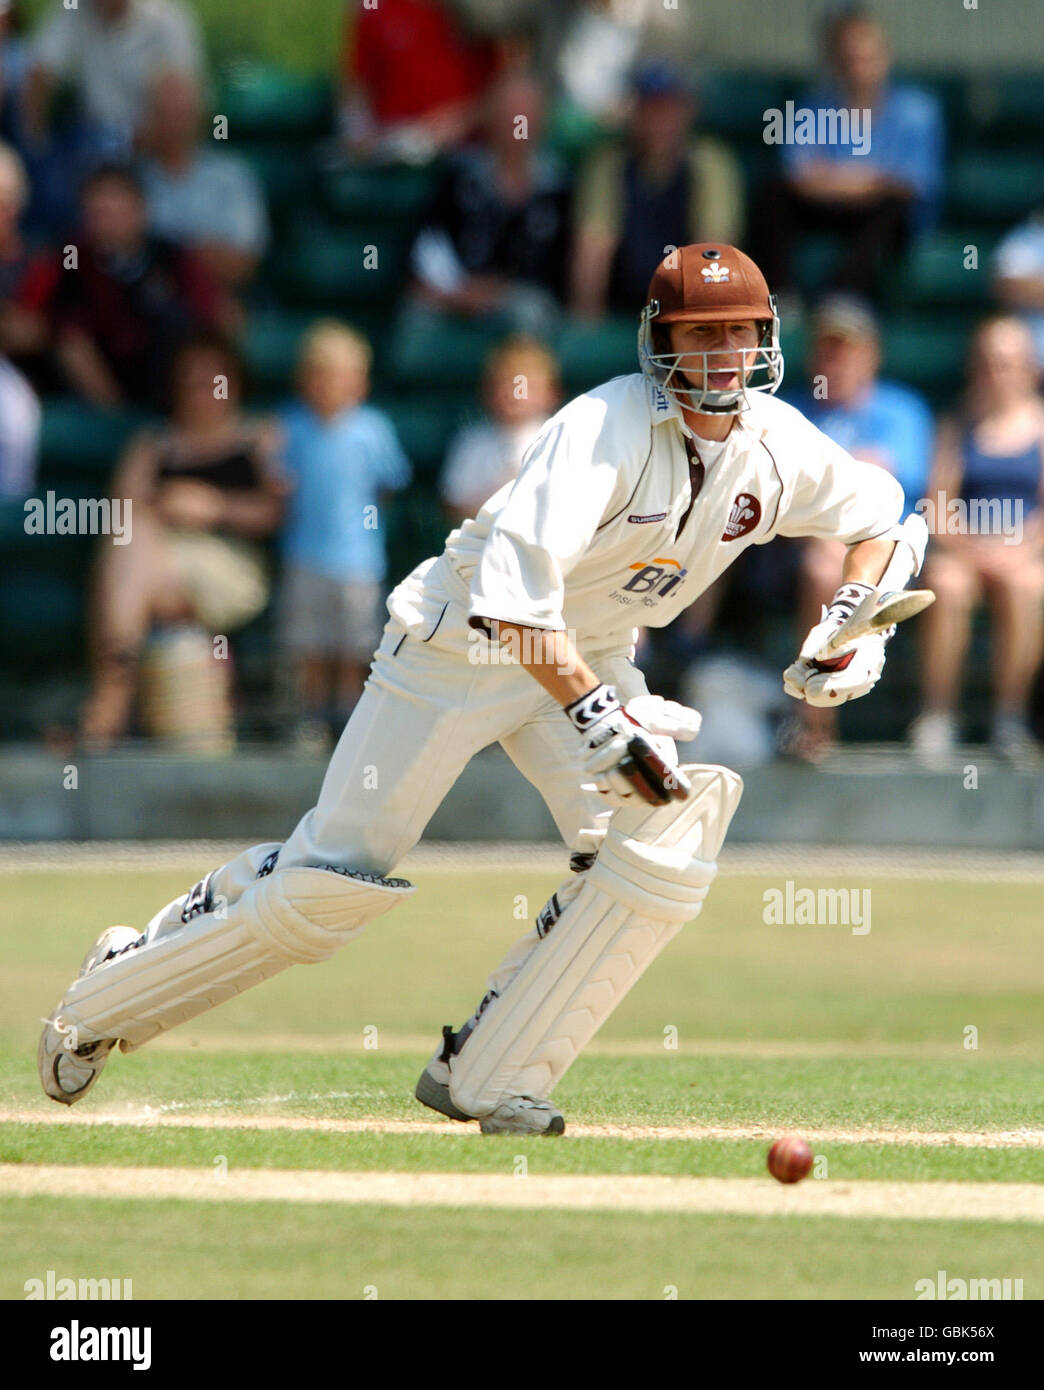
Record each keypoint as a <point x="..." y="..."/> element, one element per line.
<point x="857" y="1040"/>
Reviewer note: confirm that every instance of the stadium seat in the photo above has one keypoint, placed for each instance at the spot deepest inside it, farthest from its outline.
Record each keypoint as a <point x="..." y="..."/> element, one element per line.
<point x="815" y="259"/>
<point x="1007" y="107"/>
<point x="41" y="613"/>
<point x="927" y="352"/>
<point x="260" y="99"/>
<point x="733" y="104"/>
<point x="270" y="346"/>
<point x="417" y="527"/>
<point x="425" y="427"/>
<point x="285" y="176"/>
<point x="329" y="267"/>
<point x="394" y="194"/>
<point x="76" y="438"/>
<point x="590" y="353"/>
<point x="935" y="272"/>
<point x="1000" y="186"/>
<point x="440" y="352"/>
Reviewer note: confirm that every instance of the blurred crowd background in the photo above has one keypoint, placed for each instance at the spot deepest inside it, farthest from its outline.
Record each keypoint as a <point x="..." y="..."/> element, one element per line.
<point x="281" y="296"/>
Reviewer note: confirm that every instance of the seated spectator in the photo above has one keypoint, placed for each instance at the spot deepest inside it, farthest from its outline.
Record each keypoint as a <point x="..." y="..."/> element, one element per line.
<point x="14" y="194"/>
<point x="494" y="243"/>
<point x="1018" y="270"/>
<point x="876" y="421"/>
<point x="987" y="521"/>
<point x="19" y="432"/>
<point x="342" y="458"/>
<point x="115" y="317"/>
<point x="411" y="80"/>
<point x="111" y="51"/>
<point x="197" y="193"/>
<point x="662" y="187"/>
<point x="520" y="389"/>
<point x="873" y="200"/>
<point x="204" y="490"/>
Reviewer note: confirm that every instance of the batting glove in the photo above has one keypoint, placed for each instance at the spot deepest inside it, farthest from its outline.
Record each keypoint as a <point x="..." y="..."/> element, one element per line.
<point x="625" y="757"/>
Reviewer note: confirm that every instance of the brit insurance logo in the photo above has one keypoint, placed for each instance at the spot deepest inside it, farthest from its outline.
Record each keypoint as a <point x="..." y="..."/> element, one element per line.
<point x="650" y="582"/>
<point x="744" y="515"/>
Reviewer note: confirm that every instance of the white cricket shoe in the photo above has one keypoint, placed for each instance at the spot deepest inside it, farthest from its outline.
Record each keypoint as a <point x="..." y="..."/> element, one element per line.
<point x="68" y="1072"/>
<point x="519" y="1115"/>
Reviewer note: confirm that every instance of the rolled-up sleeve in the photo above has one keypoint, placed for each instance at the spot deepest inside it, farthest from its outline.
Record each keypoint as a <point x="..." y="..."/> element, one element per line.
<point x="563" y="490"/>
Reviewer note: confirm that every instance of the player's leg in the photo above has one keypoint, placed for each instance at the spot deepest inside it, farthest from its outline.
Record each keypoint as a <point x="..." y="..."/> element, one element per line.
<point x="421" y="718"/>
<point x="592" y="940"/>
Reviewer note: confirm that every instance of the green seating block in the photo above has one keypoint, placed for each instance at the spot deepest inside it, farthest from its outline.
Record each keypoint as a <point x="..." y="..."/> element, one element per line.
<point x="1001" y="186"/>
<point x="286" y="177"/>
<point x="435" y="351"/>
<point x="590" y="353"/>
<point x="381" y="194"/>
<point x="334" y="267"/>
<point x="425" y="427"/>
<point x="733" y="104"/>
<point x="949" y="267"/>
<point x="1007" y="107"/>
<point x="260" y="99"/>
<point x="77" y="437"/>
<point x="926" y="352"/>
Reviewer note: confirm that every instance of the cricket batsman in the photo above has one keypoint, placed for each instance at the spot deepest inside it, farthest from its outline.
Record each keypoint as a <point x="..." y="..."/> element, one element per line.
<point x="633" y="499"/>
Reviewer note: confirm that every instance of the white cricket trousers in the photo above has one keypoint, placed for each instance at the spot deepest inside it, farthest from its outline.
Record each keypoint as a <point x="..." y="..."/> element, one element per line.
<point x="424" y="713"/>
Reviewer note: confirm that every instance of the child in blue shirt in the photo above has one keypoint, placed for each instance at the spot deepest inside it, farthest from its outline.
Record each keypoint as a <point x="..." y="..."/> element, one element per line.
<point x="342" y="457"/>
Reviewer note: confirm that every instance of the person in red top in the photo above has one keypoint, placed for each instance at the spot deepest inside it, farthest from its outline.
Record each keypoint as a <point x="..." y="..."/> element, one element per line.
<point x="114" y="319"/>
<point x="411" y="78"/>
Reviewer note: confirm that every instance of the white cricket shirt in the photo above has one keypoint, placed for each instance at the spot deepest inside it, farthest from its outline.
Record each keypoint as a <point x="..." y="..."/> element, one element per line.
<point x="597" y="534"/>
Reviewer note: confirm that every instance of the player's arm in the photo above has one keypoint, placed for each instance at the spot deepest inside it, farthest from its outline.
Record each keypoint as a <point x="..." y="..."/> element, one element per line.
<point x="623" y="757"/>
<point x="866" y="561"/>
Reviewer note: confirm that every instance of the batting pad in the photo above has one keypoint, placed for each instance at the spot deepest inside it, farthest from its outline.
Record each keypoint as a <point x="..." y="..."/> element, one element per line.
<point x="292" y="916"/>
<point x="652" y="873"/>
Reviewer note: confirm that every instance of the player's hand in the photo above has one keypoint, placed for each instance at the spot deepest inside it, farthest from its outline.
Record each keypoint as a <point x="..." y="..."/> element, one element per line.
<point x="842" y="606"/>
<point x="845" y="677"/>
<point x="622" y="758"/>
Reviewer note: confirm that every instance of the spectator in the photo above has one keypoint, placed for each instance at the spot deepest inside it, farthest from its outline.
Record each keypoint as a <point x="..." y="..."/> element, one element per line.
<point x="411" y="80"/>
<point x="662" y="188"/>
<point x="115" y="317"/>
<point x="877" y="421"/>
<point x="989" y="465"/>
<point x="13" y="67"/>
<point x="342" y="456"/>
<point x="198" y="194"/>
<point x="873" y="200"/>
<point x="494" y="243"/>
<point x="520" y="389"/>
<point x="14" y="194"/>
<point x="112" y="51"/>
<point x="590" y="48"/>
<point x="1018" y="270"/>
<point x="204" y="490"/>
<point x="19" y="432"/>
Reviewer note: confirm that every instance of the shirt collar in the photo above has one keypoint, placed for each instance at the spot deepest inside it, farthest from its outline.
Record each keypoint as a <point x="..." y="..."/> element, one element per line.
<point x="663" y="406"/>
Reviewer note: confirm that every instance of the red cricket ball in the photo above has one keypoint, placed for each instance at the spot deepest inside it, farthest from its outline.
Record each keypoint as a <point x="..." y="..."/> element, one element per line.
<point x="790" y="1159"/>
